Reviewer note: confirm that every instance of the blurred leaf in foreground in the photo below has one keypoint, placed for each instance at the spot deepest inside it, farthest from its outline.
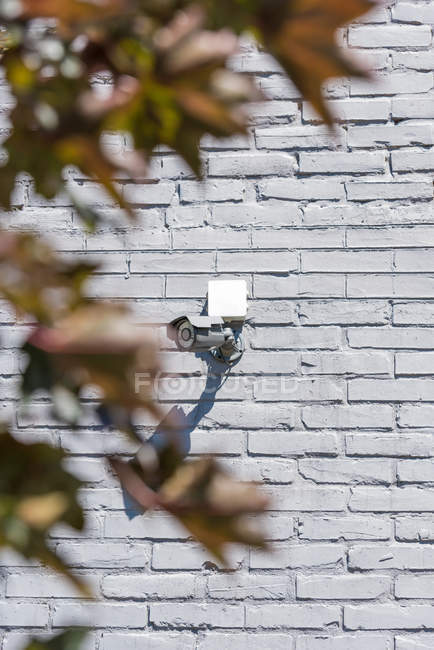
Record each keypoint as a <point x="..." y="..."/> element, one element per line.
<point x="69" y="640"/>
<point x="36" y="280"/>
<point x="302" y="35"/>
<point x="213" y="506"/>
<point x="96" y="345"/>
<point x="36" y="493"/>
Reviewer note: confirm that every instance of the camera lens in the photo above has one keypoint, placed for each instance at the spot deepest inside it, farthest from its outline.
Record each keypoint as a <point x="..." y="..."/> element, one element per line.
<point x="186" y="335"/>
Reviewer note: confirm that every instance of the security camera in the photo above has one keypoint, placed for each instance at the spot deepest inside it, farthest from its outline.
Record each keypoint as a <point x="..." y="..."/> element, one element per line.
<point x="219" y="331"/>
<point x="201" y="333"/>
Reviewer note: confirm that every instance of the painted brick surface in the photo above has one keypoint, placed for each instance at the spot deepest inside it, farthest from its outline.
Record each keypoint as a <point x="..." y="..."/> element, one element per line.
<point x="332" y="405"/>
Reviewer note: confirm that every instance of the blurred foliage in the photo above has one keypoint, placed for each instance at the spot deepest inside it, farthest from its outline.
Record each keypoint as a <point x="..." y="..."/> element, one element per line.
<point x="69" y="640"/>
<point x="37" y="281"/>
<point x="209" y="503"/>
<point x="76" y="343"/>
<point x="36" y="493"/>
<point x="95" y="346"/>
<point x="171" y="84"/>
<point x="169" y="65"/>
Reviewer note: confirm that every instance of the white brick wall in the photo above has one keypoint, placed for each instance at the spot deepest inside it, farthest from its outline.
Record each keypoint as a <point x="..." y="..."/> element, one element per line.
<point x="335" y="238"/>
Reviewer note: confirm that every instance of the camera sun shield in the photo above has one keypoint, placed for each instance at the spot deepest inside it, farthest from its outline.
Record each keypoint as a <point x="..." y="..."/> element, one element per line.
<point x="227" y="299"/>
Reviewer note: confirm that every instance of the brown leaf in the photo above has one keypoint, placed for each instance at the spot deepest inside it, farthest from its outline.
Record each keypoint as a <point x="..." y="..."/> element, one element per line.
<point x="206" y="500"/>
<point x="303" y="40"/>
<point x="36" y="281"/>
<point x="96" y="345"/>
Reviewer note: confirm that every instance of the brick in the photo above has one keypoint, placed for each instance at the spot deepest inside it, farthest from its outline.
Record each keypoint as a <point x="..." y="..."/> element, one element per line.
<point x="261" y="363"/>
<point x="284" y="443"/>
<point x="412" y="161"/>
<point x="348" y="417"/>
<point x="414" y="529"/>
<point x="291" y="616"/>
<point x="408" y="499"/>
<point x="392" y="84"/>
<point x="418" y="259"/>
<point x="133" y="239"/>
<point x="391" y="36"/>
<point x="104" y="555"/>
<point x="421" y="60"/>
<point x="188" y="557"/>
<point x="100" y="615"/>
<point x="331" y="587"/>
<point x="402" y="556"/>
<point x="398" y="135"/>
<point x="395" y="338"/>
<point x="269" y="213"/>
<point x="237" y="142"/>
<point x="170" y="262"/>
<point x="196" y="615"/>
<point x="257" y="587"/>
<point x="344" y="312"/>
<point x="298" y="238"/>
<point x="257" y="262"/>
<point x="374" y="190"/>
<point x="117" y="286"/>
<point x="414" y="642"/>
<point x="291" y="137"/>
<point x="278" y="86"/>
<point x="187" y="216"/>
<point x="307" y="499"/>
<point x="149" y="526"/>
<point x="416" y="586"/>
<point x="415" y="471"/>
<point x="386" y="617"/>
<point x="347" y="363"/>
<point x="155" y="194"/>
<point x="155" y="587"/>
<point x="271" y="112"/>
<point x="301" y="190"/>
<point x="416" y="416"/>
<point x="246" y="641"/>
<point x="262" y="470"/>
<point x="296" y="338"/>
<point x="342" y="163"/>
<point x="353" y="110"/>
<point x="348" y="528"/>
<point x="280" y="389"/>
<point x="391" y="390"/>
<point x="148" y="640"/>
<point x="14" y="613"/>
<point x="412" y="108"/>
<point x="251" y="165"/>
<point x="374" y="214"/>
<point x="227" y="190"/>
<point x="346" y="471"/>
<point x="33" y="585"/>
<point x="407" y="12"/>
<point x="346" y="642"/>
<point x="251" y="416"/>
<point x="388" y="444"/>
<point x="346" y="261"/>
<point x="210" y="238"/>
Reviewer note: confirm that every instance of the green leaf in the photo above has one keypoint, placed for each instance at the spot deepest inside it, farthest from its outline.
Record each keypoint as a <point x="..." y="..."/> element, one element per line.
<point x="35" y="494"/>
<point x="69" y="640"/>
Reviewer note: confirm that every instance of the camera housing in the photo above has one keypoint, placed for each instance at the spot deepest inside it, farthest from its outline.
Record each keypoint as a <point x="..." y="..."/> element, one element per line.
<point x="198" y="332"/>
<point x="218" y="333"/>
